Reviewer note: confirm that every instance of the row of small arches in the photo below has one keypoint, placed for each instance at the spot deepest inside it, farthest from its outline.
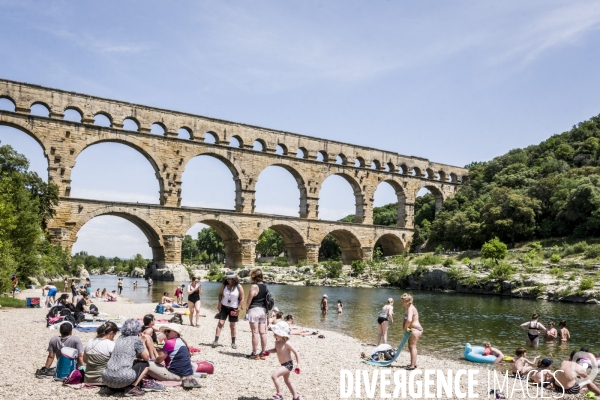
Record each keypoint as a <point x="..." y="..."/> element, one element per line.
<point x="131" y="124"/>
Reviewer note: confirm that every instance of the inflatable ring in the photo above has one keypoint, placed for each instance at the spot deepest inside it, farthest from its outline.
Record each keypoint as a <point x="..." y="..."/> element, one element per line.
<point x="475" y="354"/>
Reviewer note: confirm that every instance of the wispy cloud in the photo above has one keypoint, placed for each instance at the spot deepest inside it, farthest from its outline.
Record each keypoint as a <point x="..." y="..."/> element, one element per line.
<point x="101" y="46"/>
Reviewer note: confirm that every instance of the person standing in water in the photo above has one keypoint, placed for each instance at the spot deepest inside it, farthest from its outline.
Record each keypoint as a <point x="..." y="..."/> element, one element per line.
<point x="411" y="324"/>
<point x="533" y="328"/>
<point x="551" y="333"/>
<point x="340" y="307"/>
<point x="324" y="306"/>
<point x="120" y="285"/>
<point x="564" y="332"/>
<point x="386" y="314"/>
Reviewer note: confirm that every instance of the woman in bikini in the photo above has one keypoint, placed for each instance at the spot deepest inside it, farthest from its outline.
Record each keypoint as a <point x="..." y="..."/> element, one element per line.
<point x="386" y="315"/>
<point x="533" y="328"/>
<point x="194" y="292"/>
<point x="411" y="322"/>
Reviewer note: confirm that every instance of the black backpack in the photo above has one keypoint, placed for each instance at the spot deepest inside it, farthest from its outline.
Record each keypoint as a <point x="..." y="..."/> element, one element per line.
<point x="177" y="319"/>
<point x="269" y="301"/>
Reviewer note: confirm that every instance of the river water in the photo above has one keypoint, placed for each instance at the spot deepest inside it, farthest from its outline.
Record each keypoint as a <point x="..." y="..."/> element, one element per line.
<point x="449" y="320"/>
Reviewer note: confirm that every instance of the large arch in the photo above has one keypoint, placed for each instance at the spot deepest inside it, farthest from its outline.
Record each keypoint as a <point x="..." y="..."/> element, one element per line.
<point x="150" y="229"/>
<point x="230" y="235"/>
<point x="300" y="183"/>
<point x="101" y="161"/>
<point x="391" y="244"/>
<point x="436" y="192"/>
<point x="350" y="246"/>
<point x="237" y="195"/>
<point x="359" y="208"/>
<point x="31" y="135"/>
<point x="400" y="198"/>
<point x="294" y="239"/>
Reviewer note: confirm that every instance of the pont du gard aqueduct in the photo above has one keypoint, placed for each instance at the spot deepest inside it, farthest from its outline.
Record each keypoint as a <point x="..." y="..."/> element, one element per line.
<point x="310" y="160"/>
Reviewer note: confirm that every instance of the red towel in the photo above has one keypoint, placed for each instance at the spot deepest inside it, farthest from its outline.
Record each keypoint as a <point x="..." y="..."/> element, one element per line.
<point x="194" y="350"/>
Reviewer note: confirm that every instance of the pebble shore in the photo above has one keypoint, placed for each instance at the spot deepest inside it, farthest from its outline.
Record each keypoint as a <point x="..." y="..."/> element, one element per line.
<point x="24" y="342"/>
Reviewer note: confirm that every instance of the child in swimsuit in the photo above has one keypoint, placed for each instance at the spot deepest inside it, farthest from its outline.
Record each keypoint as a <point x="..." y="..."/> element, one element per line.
<point x="489" y="350"/>
<point x="522" y="365"/>
<point x="543" y="376"/>
<point x="284" y="350"/>
<point x="564" y="332"/>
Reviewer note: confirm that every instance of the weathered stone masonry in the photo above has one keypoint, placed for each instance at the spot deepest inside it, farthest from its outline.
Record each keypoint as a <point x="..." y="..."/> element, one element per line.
<point x="165" y="225"/>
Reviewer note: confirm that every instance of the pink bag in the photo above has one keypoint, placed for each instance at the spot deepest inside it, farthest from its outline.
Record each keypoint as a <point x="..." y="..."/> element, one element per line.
<point x="74" y="378"/>
<point x="205" y="366"/>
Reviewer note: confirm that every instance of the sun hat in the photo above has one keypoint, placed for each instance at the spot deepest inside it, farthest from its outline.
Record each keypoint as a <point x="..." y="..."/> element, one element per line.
<point x="171" y="327"/>
<point x="275" y="309"/>
<point x="281" y="329"/>
<point x="546" y="362"/>
<point x="324" y="295"/>
<point x="230" y="274"/>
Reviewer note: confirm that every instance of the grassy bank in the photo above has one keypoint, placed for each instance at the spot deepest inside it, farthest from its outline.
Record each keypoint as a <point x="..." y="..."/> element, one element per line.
<point x="11" y="303"/>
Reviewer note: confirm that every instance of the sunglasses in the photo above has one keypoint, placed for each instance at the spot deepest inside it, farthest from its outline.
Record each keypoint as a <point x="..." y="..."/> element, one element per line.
<point x="167" y="331"/>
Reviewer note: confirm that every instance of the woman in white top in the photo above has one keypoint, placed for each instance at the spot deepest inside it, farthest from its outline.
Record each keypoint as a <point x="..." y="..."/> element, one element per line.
<point x="231" y="301"/>
<point x="385" y="316"/>
<point x="97" y="352"/>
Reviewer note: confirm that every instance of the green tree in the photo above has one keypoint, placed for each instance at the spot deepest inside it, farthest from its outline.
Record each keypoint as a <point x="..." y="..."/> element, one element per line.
<point x="330" y="249"/>
<point x="210" y="242"/>
<point x="494" y="249"/>
<point x="270" y="244"/>
<point x="189" y="249"/>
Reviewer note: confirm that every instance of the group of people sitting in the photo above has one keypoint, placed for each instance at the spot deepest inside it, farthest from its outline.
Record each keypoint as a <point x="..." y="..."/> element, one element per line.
<point x="105" y="295"/>
<point x="133" y="363"/>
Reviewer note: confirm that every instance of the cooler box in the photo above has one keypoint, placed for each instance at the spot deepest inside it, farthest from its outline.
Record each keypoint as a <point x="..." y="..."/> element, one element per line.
<point x="33" y="302"/>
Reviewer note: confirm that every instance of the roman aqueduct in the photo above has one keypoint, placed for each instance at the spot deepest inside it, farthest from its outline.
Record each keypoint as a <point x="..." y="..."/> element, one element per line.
<point x="310" y="160"/>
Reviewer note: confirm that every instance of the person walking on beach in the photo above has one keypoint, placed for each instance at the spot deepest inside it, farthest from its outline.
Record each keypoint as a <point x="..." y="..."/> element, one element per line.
<point x="411" y="323"/>
<point x="74" y="291"/>
<point x="15" y="281"/>
<point x="533" y="328"/>
<point x="231" y="301"/>
<point x="88" y="286"/>
<point x="564" y="332"/>
<point x="194" y="292"/>
<point x="257" y="313"/>
<point x="66" y="285"/>
<point x="179" y="294"/>
<point x="386" y="315"/>
<point x="324" y="306"/>
<point x="284" y="350"/>
<point x="120" y="285"/>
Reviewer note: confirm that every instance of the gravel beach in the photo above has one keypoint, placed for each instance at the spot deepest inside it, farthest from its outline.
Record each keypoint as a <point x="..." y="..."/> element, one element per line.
<point x="24" y="343"/>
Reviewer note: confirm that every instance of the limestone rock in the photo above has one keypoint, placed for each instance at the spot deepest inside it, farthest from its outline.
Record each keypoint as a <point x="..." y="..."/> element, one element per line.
<point x="83" y="273"/>
<point x="170" y="272"/>
<point x="137" y="273"/>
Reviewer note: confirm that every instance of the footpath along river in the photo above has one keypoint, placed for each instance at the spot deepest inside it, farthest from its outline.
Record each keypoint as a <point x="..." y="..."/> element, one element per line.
<point x="450" y="320"/>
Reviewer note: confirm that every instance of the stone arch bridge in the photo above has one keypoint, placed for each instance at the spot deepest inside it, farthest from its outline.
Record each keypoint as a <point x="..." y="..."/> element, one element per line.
<point x="310" y="160"/>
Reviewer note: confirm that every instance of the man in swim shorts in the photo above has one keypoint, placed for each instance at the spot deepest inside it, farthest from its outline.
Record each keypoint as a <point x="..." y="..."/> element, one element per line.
<point x="566" y="377"/>
<point x="51" y="296"/>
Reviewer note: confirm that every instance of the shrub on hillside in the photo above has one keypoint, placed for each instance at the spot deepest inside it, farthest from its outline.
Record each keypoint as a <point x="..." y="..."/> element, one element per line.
<point x="592" y="251"/>
<point x="494" y="249"/>
<point x="358" y="267"/>
<point x="428" y="259"/>
<point x="333" y="268"/>
<point x="502" y="271"/>
<point x="586" y="284"/>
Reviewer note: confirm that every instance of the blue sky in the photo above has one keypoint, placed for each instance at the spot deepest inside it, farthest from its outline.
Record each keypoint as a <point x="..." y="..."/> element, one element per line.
<point x="452" y="81"/>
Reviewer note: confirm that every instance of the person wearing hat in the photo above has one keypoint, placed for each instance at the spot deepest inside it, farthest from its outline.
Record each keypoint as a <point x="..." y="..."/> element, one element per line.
<point x="231" y="301"/>
<point x="543" y="376"/>
<point x="177" y="359"/>
<point x="324" y="306"/>
<point x="273" y="315"/>
<point x="284" y="350"/>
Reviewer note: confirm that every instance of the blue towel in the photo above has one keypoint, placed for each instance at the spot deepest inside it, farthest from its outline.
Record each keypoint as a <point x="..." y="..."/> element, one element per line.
<point x="388" y="363"/>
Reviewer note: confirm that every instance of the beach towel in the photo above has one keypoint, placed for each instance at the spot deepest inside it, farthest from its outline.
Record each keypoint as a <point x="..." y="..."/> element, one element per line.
<point x="388" y="363"/>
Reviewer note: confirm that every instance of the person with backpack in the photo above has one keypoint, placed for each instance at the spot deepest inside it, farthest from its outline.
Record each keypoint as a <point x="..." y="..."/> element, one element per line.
<point x="256" y="306"/>
<point x="231" y="301"/>
<point x="65" y="364"/>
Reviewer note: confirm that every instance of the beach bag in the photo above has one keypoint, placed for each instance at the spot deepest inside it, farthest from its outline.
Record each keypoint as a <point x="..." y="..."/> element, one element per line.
<point x="205" y="366"/>
<point x="177" y="319"/>
<point x="94" y="310"/>
<point x="388" y="355"/>
<point x="75" y="377"/>
<point x="67" y="362"/>
<point x="160" y="309"/>
<point x="269" y="301"/>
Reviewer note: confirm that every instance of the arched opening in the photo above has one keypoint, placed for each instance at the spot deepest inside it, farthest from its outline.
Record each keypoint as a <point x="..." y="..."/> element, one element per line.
<point x="236" y="141"/>
<point x="102" y="120"/>
<point x="302" y="153"/>
<point x="157" y="129"/>
<point x="114" y="171"/>
<point x="389" y="167"/>
<point x="212" y="241"/>
<point x="184" y="133"/>
<point x="340" y="244"/>
<point x="279" y="190"/>
<point x="340" y="198"/>
<point x="434" y="196"/>
<point x="464" y="179"/>
<point x="390" y="245"/>
<point x="322" y="156"/>
<point x="73" y="115"/>
<point x="341" y="159"/>
<point x="278" y="239"/>
<point x="416" y="171"/>
<point x="403" y="169"/>
<point x="130" y="124"/>
<point x="430" y="174"/>
<point x="118" y="237"/>
<point x="211" y="138"/>
<point x="375" y="164"/>
<point x="453" y="177"/>
<point x="209" y="181"/>
<point x="281" y="150"/>
<point x="259" y="145"/>
<point x="28" y="146"/>
<point x="7" y="104"/>
<point x="389" y="204"/>
<point x="39" y="109"/>
<point x="359" y="162"/>
<point x="442" y="176"/>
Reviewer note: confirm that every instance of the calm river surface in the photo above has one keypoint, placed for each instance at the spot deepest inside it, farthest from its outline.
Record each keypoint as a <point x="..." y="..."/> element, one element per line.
<point x="449" y="320"/>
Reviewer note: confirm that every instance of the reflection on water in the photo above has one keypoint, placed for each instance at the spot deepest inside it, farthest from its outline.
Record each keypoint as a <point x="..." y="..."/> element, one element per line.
<point x="449" y="320"/>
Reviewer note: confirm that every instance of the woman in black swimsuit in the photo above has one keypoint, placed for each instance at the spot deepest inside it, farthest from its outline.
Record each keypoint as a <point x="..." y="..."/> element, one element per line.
<point x="533" y="329"/>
